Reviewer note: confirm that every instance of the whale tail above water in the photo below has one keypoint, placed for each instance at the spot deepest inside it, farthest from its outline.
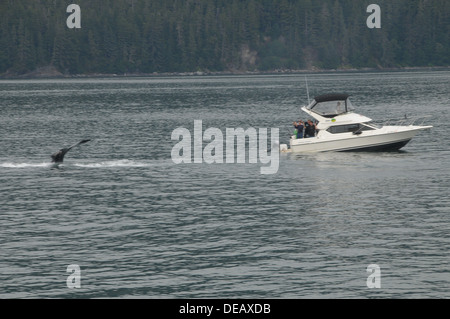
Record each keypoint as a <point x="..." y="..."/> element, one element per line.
<point x="58" y="157"/>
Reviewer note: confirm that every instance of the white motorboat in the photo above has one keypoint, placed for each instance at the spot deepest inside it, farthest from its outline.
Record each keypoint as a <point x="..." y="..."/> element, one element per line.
<point x="339" y="128"/>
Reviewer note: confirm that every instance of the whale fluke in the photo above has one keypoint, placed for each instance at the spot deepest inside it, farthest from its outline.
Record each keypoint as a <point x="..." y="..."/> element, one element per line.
<point x="58" y="157"/>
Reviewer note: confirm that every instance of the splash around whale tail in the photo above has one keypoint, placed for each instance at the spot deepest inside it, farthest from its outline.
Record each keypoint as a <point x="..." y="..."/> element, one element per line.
<point x="58" y="157"/>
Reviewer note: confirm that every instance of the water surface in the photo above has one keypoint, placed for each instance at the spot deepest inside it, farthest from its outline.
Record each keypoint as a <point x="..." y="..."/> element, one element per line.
<point x="139" y="225"/>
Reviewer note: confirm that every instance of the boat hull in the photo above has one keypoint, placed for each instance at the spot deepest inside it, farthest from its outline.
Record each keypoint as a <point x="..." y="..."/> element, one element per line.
<point x="388" y="140"/>
<point x="392" y="147"/>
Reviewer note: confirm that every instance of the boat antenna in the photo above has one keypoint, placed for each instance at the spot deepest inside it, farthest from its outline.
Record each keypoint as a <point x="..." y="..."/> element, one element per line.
<point x="307" y="89"/>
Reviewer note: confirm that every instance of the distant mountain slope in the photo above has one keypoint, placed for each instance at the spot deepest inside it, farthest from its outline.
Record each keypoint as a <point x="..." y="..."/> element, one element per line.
<point x="137" y="36"/>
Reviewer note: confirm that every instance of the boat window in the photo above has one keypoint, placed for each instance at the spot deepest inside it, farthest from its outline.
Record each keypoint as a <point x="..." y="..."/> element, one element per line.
<point x="332" y="108"/>
<point x="370" y="126"/>
<point x="349" y="128"/>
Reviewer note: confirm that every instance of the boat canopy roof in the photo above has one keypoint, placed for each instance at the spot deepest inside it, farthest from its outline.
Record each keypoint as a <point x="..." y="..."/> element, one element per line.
<point x="331" y="97"/>
<point x="331" y="105"/>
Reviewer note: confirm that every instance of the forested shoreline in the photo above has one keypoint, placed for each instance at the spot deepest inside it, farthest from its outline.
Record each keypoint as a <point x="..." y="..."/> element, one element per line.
<point x="164" y="36"/>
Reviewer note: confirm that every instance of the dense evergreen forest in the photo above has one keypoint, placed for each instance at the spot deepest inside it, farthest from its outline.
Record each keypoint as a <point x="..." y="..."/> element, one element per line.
<point x="146" y="36"/>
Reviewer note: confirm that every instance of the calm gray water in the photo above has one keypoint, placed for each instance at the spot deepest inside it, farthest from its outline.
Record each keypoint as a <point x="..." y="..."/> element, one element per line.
<point x="139" y="225"/>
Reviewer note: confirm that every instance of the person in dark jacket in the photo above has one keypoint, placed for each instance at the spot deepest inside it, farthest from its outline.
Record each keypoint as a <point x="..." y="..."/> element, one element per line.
<point x="310" y="129"/>
<point x="299" y="128"/>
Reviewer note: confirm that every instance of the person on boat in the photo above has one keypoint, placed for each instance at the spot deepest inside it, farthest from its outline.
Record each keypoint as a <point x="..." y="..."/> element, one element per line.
<point x="310" y="129"/>
<point x="316" y="130"/>
<point x="295" y="129"/>
<point x="300" y="128"/>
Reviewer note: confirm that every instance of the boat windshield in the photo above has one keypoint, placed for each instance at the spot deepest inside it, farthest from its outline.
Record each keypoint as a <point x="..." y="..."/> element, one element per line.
<point x="332" y="107"/>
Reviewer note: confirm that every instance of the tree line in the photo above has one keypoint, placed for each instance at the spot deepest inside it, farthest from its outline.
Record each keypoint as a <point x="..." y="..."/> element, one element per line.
<point x="146" y="36"/>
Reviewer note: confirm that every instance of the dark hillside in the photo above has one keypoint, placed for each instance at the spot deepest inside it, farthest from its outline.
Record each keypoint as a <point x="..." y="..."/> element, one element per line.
<point x="137" y="36"/>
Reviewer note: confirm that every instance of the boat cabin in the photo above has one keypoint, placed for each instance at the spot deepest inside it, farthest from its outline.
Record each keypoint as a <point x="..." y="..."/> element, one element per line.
<point x="335" y="114"/>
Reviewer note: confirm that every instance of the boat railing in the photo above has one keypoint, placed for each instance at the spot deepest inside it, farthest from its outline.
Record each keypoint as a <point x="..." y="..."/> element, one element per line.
<point x="407" y="121"/>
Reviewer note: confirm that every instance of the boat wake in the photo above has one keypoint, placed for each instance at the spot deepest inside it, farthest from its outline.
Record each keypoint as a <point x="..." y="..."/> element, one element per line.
<point x="24" y="165"/>
<point x="104" y="164"/>
<point x="117" y="163"/>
